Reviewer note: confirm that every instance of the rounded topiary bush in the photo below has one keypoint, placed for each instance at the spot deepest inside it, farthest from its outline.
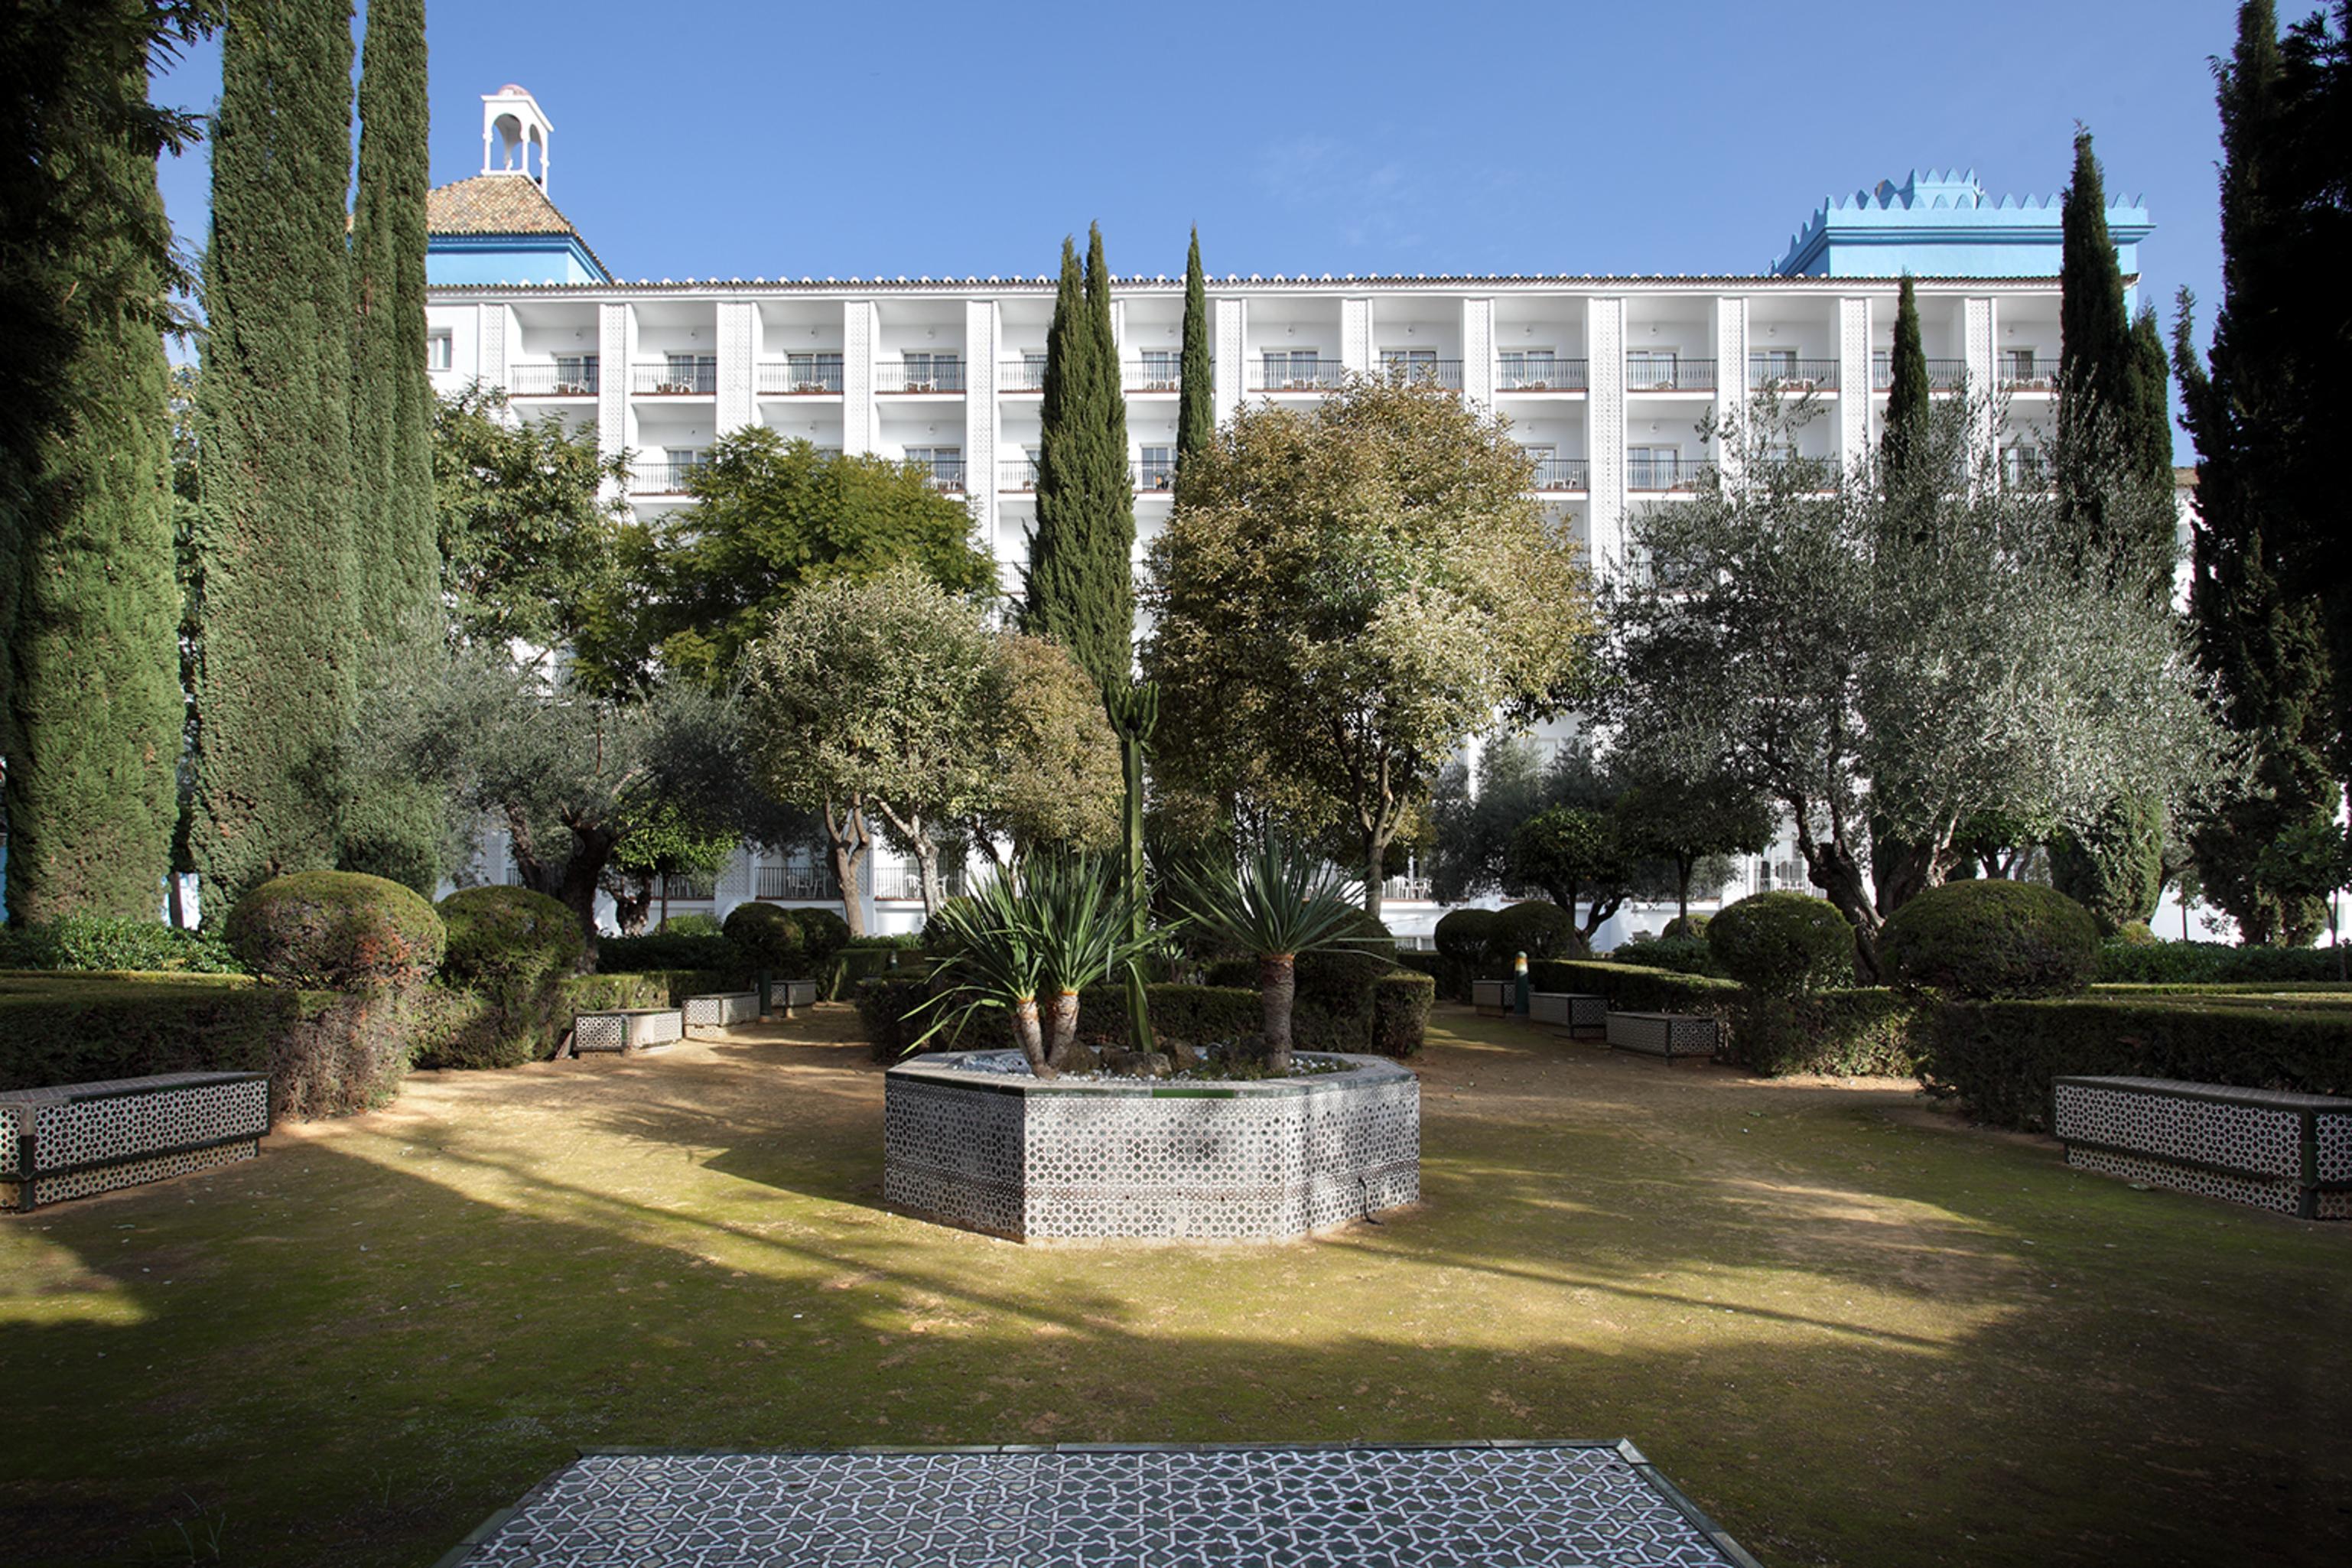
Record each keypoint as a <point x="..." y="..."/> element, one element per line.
<point x="769" y="938"/>
<point x="2134" y="933"/>
<point x="1537" y="927"/>
<point x="822" y="934"/>
<point x="1783" y="943"/>
<point x="1989" y="939"/>
<point x="336" y="930"/>
<point x="1693" y="926"/>
<point x="1465" y="933"/>
<point x="696" y="924"/>
<point x="508" y="934"/>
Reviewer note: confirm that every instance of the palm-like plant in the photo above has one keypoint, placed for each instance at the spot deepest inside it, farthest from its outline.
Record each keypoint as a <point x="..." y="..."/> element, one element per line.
<point x="1277" y="904"/>
<point x="996" y="964"/>
<point x="1082" y="922"/>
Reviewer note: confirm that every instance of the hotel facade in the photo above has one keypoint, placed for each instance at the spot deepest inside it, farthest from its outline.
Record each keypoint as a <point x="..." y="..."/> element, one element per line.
<point x="1604" y="379"/>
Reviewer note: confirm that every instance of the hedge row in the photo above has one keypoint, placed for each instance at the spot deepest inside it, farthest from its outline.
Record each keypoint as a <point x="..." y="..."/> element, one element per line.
<point x="1850" y="1033"/>
<point x="503" y="1025"/>
<point x="1999" y="1059"/>
<point x="2213" y="963"/>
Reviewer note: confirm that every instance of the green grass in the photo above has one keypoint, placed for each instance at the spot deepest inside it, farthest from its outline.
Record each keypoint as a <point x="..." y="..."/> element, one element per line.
<point x="1856" y="1330"/>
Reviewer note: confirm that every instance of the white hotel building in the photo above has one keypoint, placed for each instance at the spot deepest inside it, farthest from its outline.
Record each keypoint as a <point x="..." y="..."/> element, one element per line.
<point x="1605" y="378"/>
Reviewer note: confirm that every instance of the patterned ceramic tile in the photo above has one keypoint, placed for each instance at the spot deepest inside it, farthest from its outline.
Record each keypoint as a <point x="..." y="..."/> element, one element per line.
<point x="2253" y="1146"/>
<point x="76" y="1139"/>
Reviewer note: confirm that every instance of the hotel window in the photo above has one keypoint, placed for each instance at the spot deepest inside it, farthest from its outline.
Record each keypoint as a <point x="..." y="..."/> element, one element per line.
<point x="1648" y="370"/>
<point x="1530" y="370"/>
<point x="1652" y="467"/>
<point x="945" y="463"/>
<point x="1293" y="369"/>
<point x="689" y="373"/>
<point x="1157" y="471"/>
<point x="2022" y="369"/>
<point x="440" y="350"/>
<point x="1546" y="460"/>
<point x="575" y="375"/>
<point x="1410" y="365"/>
<point x="1029" y="455"/>
<point x="934" y="373"/>
<point x="813" y="372"/>
<point x="1161" y="370"/>
<point x="2021" y="468"/>
<point x="1771" y="364"/>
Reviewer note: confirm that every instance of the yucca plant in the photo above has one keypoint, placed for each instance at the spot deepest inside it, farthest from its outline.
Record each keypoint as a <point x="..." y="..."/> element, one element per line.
<point x="995" y="965"/>
<point x="1083" y="921"/>
<point x="1277" y="904"/>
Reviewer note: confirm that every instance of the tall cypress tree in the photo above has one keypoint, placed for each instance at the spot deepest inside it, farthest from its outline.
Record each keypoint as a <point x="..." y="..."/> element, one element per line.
<point x="2259" y="634"/>
<point x="274" y="680"/>
<point x="2108" y="413"/>
<point x="383" y="826"/>
<point x="1196" y="403"/>
<point x="1081" y="592"/>
<point x="1909" y="393"/>
<point x="94" y="657"/>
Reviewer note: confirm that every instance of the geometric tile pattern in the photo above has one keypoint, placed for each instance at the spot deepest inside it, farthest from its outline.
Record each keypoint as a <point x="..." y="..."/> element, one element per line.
<point x="1493" y="996"/>
<point x="71" y="1140"/>
<point x="627" y="1029"/>
<point x="2292" y="1152"/>
<point x="1138" y="1160"/>
<point x="1594" y="1505"/>
<point x="794" y="994"/>
<point x="1582" y="1017"/>
<point x="1667" y="1034"/>
<point x="719" y="1009"/>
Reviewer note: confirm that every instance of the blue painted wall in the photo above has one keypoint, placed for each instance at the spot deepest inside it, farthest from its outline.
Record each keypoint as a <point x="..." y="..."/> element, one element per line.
<point x="458" y="259"/>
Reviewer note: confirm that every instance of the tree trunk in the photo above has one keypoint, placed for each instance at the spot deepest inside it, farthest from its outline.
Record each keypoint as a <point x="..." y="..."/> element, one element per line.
<point x="1062" y="1029"/>
<point x="1683" y="866"/>
<point x="1375" y="885"/>
<point x="927" y="862"/>
<point x="845" y="837"/>
<point x="629" y="905"/>
<point x="1278" y="987"/>
<point x="1032" y="1037"/>
<point x="1834" y="870"/>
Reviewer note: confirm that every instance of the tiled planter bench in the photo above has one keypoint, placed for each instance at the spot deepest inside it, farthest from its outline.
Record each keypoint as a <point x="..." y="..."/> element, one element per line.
<point x="1141" y="1158"/>
<point x="77" y="1138"/>
<point x="1573" y="1013"/>
<point x="2291" y="1152"/>
<point x="721" y="1009"/>
<point x="791" y="995"/>
<point x="1492" y="997"/>
<point x="626" y="1030"/>
<point x="1677" y="1037"/>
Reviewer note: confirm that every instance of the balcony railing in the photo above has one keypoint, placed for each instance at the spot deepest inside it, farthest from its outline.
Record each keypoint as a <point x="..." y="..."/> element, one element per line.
<point x="1794" y="374"/>
<point x="671" y="885"/>
<point x="1445" y="373"/>
<point x="1943" y="374"/>
<point x="1405" y="889"/>
<point x="797" y="882"/>
<point x="1021" y="375"/>
<point x="2029" y="375"/>
<point x="939" y="375"/>
<point x="1016" y="474"/>
<point x="574" y="378"/>
<point x="1531" y="374"/>
<point x="661" y="477"/>
<point x="907" y="882"/>
<point x="1668" y="372"/>
<point x="1661" y="473"/>
<point x="1155" y="474"/>
<point x="1152" y="375"/>
<point x="1562" y="473"/>
<point x="946" y="474"/>
<point x="800" y="380"/>
<point x="675" y="379"/>
<point x="1296" y="375"/>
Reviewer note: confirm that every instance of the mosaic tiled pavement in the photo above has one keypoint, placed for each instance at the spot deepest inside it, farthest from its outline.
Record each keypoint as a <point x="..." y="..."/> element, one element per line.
<point x="1537" y="1505"/>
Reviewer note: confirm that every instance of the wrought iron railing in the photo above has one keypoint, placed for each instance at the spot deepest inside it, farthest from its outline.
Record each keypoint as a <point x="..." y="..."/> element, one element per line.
<point x="661" y="477"/>
<point x="1445" y="373"/>
<point x="1021" y="375"/>
<point x="1562" y="473"/>
<point x="574" y="378"/>
<point x="1155" y="474"/>
<point x="1654" y="473"/>
<point x="1796" y="374"/>
<point x="674" y="885"/>
<point x="907" y="882"/>
<point x="676" y="378"/>
<point x="1296" y="374"/>
<point x="939" y="375"/>
<point x="1532" y="374"/>
<point x="1153" y="375"/>
<point x="801" y="380"/>
<point x="1668" y="372"/>
<point x="946" y="474"/>
<point x="1405" y="889"/>
<point x="1017" y="474"/>
<point x="796" y="882"/>
<point x="2023" y="374"/>
<point x="1943" y="374"/>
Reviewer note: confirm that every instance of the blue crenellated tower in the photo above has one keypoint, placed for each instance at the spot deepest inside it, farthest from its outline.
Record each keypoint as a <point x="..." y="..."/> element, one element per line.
<point x="1941" y="224"/>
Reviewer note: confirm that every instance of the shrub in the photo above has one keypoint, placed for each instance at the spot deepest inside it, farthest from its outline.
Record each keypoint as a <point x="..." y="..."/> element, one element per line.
<point x="509" y="935"/>
<point x="1783" y="943"/>
<point x="1200" y="1013"/>
<point x="1537" y="927"/>
<point x="1991" y="939"/>
<point x="639" y="954"/>
<point x="904" y="940"/>
<point x="1999" y="1059"/>
<point x="2134" y="933"/>
<point x="1857" y="1033"/>
<point x="1683" y="954"/>
<point x="1684" y="925"/>
<point x="695" y="924"/>
<point x="766" y="937"/>
<point x="2213" y="963"/>
<point x="1630" y="988"/>
<point x="110" y="942"/>
<point x="336" y="930"/>
<point x="822" y="934"/>
<point x="1465" y="933"/>
<point x="1400" y="1002"/>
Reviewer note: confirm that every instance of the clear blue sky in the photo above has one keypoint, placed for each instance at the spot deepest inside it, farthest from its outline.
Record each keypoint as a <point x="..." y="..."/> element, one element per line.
<point x="702" y="137"/>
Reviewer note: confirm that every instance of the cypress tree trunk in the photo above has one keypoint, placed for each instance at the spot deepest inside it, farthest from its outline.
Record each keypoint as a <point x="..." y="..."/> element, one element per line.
<point x="94" y="704"/>
<point x="1196" y="401"/>
<point x="1080" y="590"/>
<point x="275" y="677"/>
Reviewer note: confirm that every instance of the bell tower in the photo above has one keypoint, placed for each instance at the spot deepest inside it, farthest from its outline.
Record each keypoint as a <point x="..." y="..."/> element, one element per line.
<point x="515" y="134"/>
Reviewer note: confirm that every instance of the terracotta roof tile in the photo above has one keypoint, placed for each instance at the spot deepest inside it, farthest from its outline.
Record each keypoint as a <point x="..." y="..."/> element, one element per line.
<point x="494" y="204"/>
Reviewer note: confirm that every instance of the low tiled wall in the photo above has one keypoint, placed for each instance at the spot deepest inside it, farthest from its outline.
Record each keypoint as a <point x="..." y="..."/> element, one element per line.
<point x="719" y="1009"/>
<point x="77" y="1138"/>
<point x="1064" y="1160"/>
<point x="1673" y="1036"/>
<point x="1583" y="1016"/>
<point x="2291" y="1152"/>
<point x="625" y="1029"/>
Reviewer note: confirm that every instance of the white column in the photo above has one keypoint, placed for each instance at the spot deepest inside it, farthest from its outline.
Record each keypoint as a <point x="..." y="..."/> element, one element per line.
<point x="615" y="340"/>
<point x="1604" y="415"/>
<point x="1230" y="328"/>
<point x="1730" y="374"/>
<point x="738" y="333"/>
<point x="1855" y="393"/>
<point x="859" y="328"/>
<point x="980" y="419"/>
<point x="1980" y="332"/>
<point x="494" y="344"/>
<point x="1356" y="336"/>
<point x="1479" y="354"/>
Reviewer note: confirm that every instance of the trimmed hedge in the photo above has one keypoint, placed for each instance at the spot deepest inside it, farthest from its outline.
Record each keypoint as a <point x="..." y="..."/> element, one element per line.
<point x="644" y="954"/>
<point x="1999" y="1059"/>
<point x="1630" y="988"/>
<point x="1200" y="1014"/>
<point x="106" y="943"/>
<point x="1682" y="954"/>
<point x="504" y="1027"/>
<point x="1464" y="935"/>
<point x="336" y="930"/>
<point x="822" y="934"/>
<point x="1783" y="943"/>
<point x="1985" y="938"/>
<point x="1854" y="1033"/>
<point x="1537" y="927"/>
<point x="509" y="935"/>
<point x="767" y="936"/>
<point x="1401" y="1003"/>
<point x="2213" y="963"/>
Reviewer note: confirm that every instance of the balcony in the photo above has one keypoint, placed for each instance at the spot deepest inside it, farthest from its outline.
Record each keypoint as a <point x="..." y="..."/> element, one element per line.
<point x="1539" y="373"/>
<point x="663" y="476"/>
<point x="1793" y="374"/>
<point x="946" y="474"/>
<point x="1022" y="374"/>
<point x="1562" y="473"/>
<point x="1154" y="474"/>
<point x="1405" y="890"/>
<point x="2023" y="373"/>
<point x="906" y="882"/>
<point x="804" y="882"/>
<point x="1943" y="374"/>
<point x="671" y="886"/>
<point x="564" y="378"/>
<point x="937" y="375"/>
<point x="677" y="377"/>
<point x="1294" y="372"/>
<point x="1016" y="474"/>
<point x="1668" y="372"/>
<point x="1661" y="473"/>
<point x="816" y="377"/>
<point x="1431" y="372"/>
<point x="1160" y="373"/>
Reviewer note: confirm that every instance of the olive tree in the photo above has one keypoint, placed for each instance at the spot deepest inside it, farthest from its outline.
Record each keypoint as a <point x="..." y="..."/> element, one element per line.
<point x="1056" y="774"/>
<point x="1342" y="594"/>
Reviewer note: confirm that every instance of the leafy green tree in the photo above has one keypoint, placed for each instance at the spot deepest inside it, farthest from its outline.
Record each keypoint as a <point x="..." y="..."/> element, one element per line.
<point x="1909" y="395"/>
<point x="1056" y="764"/>
<point x="663" y="841"/>
<point x="1080" y="590"/>
<point x="1571" y="852"/>
<point x="1341" y="595"/>
<point x="1692" y="822"/>
<point x="1473" y="826"/>
<point x="1196" y="400"/>
<point x="769" y="516"/>
<point x="276" y="676"/>
<point x="93" y="712"/>
<point x="1791" y="637"/>
<point x="2113" y="865"/>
